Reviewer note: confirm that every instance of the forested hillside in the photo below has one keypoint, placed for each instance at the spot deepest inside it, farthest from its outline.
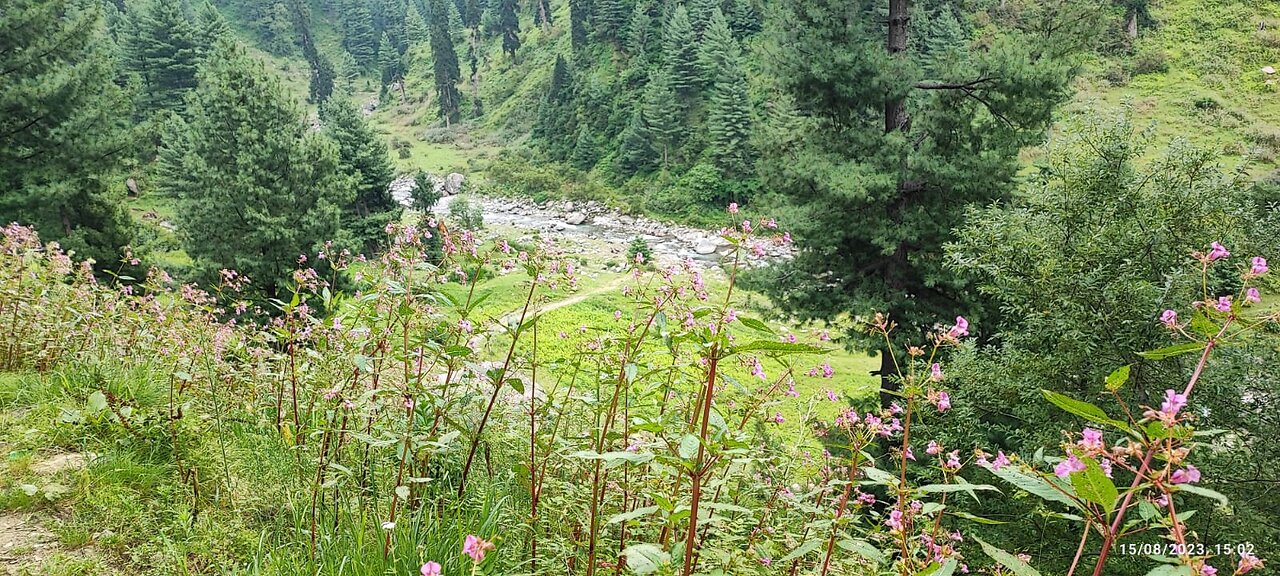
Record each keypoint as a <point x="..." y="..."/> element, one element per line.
<point x="639" y="287"/>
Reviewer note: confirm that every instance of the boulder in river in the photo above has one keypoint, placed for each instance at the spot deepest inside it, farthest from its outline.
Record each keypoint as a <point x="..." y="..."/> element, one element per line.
<point x="705" y="247"/>
<point x="575" y="218"/>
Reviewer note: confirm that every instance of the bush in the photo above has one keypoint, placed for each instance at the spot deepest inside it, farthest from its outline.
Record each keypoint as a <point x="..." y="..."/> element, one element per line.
<point x="467" y="214"/>
<point x="639" y="247"/>
<point x="1151" y="61"/>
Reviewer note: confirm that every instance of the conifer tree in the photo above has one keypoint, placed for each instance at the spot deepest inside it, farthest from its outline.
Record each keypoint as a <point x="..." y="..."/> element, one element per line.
<point x="557" y="122"/>
<point x="357" y="33"/>
<point x="60" y="131"/>
<point x="542" y="14"/>
<point x="744" y="19"/>
<point x="729" y="110"/>
<point x="681" y="49"/>
<point x="610" y="19"/>
<point x="164" y="52"/>
<point x="635" y="152"/>
<point x="255" y="187"/>
<point x="717" y="50"/>
<point x="323" y="76"/>
<point x="578" y="12"/>
<point x="886" y="151"/>
<point x="211" y="27"/>
<point x="700" y="12"/>
<point x="363" y="156"/>
<point x="390" y="64"/>
<point x="415" y="27"/>
<point x="663" y="121"/>
<point x="639" y="31"/>
<point x="447" y="73"/>
<point x="274" y="24"/>
<point x="510" y="23"/>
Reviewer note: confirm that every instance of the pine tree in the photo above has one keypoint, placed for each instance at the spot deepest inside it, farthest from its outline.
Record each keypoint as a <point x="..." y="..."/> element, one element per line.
<point x="578" y="12"/>
<point x="510" y="23"/>
<point x="60" y="128"/>
<point x="323" y="76"/>
<point x="389" y="62"/>
<point x="885" y="155"/>
<point x="744" y="19"/>
<point x="363" y="156"/>
<point x="255" y="187"/>
<point x="211" y="27"/>
<point x="274" y="25"/>
<point x="557" y="121"/>
<point x="473" y="14"/>
<point x="681" y="48"/>
<point x="610" y="19"/>
<point x="635" y="152"/>
<point x="586" y="149"/>
<point x="447" y="73"/>
<point x="357" y="33"/>
<point x="391" y="22"/>
<point x="700" y="12"/>
<point x="729" y="110"/>
<point x="639" y="31"/>
<point x="718" y="48"/>
<point x="663" y="121"/>
<point x="415" y="27"/>
<point x="164" y="52"/>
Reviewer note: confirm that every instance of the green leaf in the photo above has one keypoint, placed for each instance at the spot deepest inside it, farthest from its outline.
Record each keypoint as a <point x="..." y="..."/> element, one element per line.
<point x="1118" y="377"/>
<point x="458" y="351"/>
<point x="945" y="569"/>
<point x="780" y="348"/>
<point x="632" y="515"/>
<point x="1170" y="570"/>
<point x="1207" y="493"/>
<point x="880" y="476"/>
<point x="978" y="519"/>
<point x="97" y="401"/>
<point x="402" y="492"/>
<point x="1083" y="409"/>
<point x="754" y="324"/>
<point x="645" y="558"/>
<point x="1171" y="351"/>
<point x="805" y="548"/>
<point x="1007" y="560"/>
<point x="862" y="548"/>
<point x="1093" y="485"/>
<point x="688" y="446"/>
<point x="1032" y="484"/>
<point x="948" y="488"/>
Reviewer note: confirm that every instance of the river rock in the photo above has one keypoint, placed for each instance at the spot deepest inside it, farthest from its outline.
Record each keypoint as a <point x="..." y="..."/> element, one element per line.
<point x="132" y="186"/>
<point x="575" y="218"/>
<point x="705" y="248"/>
<point x="453" y="183"/>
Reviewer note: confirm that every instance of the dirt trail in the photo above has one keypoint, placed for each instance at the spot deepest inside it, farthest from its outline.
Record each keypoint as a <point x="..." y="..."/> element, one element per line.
<point x="25" y="543"/>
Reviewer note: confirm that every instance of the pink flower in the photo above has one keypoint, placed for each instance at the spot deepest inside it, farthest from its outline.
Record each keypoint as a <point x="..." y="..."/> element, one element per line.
<point x="733" y="207"/>
<point x="1065" y="468"/>
<point x="1259" y="266"/>
<point x="895" y="521"/>
<point x="1105" y="465"/>
<point x="1188" y="475"/>
<point x="475" y="547"/>
<point x="1092" y="440"/>
<point x="1252" y="296"/>
<point x="465" y="326"/>
<point x="935" y="371"/>
<point x="831" y="395"/>
<point x="910" y="455"/>
<point x="778" y="419"/>
<point x="953" y="460"/>
<point x="1001" y="461"/>
<point x="1173" y="403"/>
<point x="1248" y="562"/>
<point x="944" y="401"/>
<point x="766" y="561"/>
<point x="1208" y="570"/>
<point x="431" y="569"/>
<point x="933" y="448"/>
<point x="757" y="370"/>
<point x="1224" y="304"/>
<point x="1217" y="252"/>
<point x="960" y="329"/>
<point x="1169" y="318"/>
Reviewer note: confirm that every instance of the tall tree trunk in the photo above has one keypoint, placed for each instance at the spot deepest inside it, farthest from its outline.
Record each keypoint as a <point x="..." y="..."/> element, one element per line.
<point x="1132" y="26"/>
<point x="895" y="110"/>
<point x="895" y="119"/>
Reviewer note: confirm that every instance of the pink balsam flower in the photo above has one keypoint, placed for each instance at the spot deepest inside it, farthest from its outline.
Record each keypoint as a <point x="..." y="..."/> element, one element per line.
<point x="1259" y="266"/>
<point x="1065" y="468"/>
<point x="431" y="569"/>
<point x="1217" y="252"/>
<point x="475" y="547"/>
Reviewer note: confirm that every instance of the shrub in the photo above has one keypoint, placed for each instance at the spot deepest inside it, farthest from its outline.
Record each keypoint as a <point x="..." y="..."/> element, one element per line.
<point x="1150" y="61"/>
<point x="467" y="214"/>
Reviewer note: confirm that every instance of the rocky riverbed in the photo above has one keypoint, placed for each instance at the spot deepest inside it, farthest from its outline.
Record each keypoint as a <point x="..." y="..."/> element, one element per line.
<point x="589" y="221"/>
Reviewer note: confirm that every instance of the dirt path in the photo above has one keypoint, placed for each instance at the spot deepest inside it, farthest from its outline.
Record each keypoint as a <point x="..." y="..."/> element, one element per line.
<point x="25" y="543"/>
